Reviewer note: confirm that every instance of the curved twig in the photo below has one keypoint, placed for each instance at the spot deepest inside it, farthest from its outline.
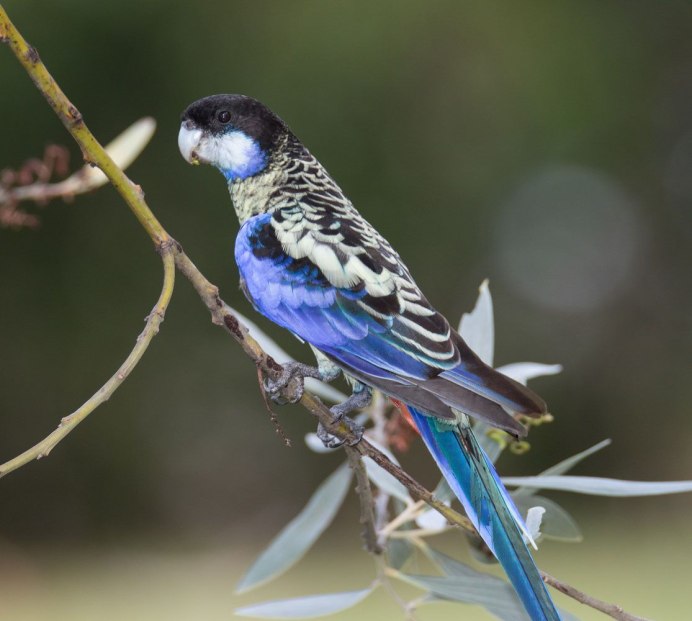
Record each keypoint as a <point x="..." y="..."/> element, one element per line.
<point x="67" y="424"/>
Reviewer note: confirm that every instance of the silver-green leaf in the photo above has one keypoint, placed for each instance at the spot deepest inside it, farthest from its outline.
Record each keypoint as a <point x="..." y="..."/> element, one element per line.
<point x="556" y="523"/>
<point x="462" y="583"/>
<point x="493" y="594"/>
<point x="443" y="492"/>
<point x="298" y="536"/>
<point x="382" y="479"/>
<point x="385" y="481"/>
<point x="399" y="551"/>
<point x="561" y="467"/>
<point x="601" y="487"/>
<point x="477" y="327"/>
<point x="522" y="372"/>
<point x="567" y="464"/>
<point x="306" y="607"/>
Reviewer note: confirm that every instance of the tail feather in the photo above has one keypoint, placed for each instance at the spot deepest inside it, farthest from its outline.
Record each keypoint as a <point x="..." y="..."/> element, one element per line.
<point x="488" y="505"/>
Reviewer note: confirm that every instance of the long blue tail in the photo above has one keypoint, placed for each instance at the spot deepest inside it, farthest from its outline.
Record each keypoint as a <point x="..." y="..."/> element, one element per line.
<point x="473" y="479"/>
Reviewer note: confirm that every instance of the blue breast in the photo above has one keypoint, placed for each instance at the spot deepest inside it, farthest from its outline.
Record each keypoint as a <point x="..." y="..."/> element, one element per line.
<point x="290" y="292"/>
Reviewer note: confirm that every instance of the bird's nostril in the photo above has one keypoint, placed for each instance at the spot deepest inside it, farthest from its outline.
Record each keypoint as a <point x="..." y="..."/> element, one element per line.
<point x="188" y="124"/>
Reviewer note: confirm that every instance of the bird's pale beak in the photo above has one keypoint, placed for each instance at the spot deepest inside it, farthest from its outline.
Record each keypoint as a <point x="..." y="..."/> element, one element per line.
<point x="189" y="138"/>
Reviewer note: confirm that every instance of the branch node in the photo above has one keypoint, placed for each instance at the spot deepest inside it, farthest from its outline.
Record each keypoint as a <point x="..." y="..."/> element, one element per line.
<point x="31" y="54"/>
<point x="233" y="326"/>
<point x="167" y="244"/>
<point x="213" y="291"/>
<point x="272" y="364"/>
<point x="75" y="116"/>
<point x="158" y="313"/>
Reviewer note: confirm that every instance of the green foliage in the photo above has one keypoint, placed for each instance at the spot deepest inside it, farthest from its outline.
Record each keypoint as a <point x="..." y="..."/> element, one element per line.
<point x="410" y="525"/>
<point x="298" y="536"/>
<point x="305" y="607"/>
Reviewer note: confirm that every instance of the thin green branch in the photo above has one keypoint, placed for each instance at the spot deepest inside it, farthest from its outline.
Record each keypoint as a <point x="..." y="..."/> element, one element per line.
<point x="67" y="424"/>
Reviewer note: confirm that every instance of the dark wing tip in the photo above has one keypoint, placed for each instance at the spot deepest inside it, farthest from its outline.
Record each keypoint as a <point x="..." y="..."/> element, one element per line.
<point x="528" y="402"/>
<point x="500" y="388"/>
<point x="473" y="404"/>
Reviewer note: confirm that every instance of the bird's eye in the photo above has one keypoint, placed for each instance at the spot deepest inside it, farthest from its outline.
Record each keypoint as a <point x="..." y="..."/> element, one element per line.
<point x="224" y="116"/>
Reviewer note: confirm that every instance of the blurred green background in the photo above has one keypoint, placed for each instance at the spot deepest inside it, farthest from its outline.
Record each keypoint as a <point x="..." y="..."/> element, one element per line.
<point x="545" y="145"/>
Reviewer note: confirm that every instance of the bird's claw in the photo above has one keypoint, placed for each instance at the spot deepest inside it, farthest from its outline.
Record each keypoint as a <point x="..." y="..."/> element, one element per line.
<point x="357" y="400"/>
<point x="331" y="441"/>
<point x="289" y="386"/>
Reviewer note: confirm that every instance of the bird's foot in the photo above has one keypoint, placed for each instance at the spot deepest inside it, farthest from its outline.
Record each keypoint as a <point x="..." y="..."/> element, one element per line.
<point x="288" y="387"/>
<point x="356" y="401"/>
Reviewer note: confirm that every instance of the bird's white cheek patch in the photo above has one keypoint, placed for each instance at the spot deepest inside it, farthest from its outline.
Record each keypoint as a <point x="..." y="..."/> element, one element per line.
<point x="188" y="140"/>
<point x="237" y="155"/>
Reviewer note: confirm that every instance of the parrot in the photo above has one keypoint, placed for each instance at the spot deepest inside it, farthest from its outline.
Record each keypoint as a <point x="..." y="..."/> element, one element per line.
<point x="309" y="262"/>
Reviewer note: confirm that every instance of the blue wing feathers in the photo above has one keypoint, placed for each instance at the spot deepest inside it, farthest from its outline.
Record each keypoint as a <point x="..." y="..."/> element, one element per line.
<point x="295" y="294"/>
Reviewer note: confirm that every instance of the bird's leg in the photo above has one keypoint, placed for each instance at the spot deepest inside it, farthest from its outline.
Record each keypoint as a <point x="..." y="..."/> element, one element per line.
<point x="360" y="398"/>
<point x="325" y="371"/>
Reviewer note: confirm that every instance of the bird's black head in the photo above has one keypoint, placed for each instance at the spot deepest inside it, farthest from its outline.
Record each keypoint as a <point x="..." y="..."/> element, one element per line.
<point x="235" y="133"/>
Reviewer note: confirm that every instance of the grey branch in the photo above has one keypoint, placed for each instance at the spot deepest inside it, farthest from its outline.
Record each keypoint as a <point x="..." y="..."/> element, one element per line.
<point x="612" y="610"/>
<point x="364" y="491"/>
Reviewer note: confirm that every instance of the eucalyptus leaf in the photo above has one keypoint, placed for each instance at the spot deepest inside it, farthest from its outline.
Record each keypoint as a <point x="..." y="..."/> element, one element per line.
<point x="601" y="487"/>
<point x="313" y="442"/>
<point x="561" y="467"/>
<point x="298" y="536"/>
<point x="463" y="583"/>
<point x="433" y="598"/>
<point x="443" y="492"/>
<point x="382" y="479"/>
<point x="477" y="327"/>
<point x="569" y="463"/>
<point x="385" y="481"/>
<point x="381" y="447"/>
<point x="431" y="520"/>
<point x="398" y="552"/>
<point x="305" y="607"/>
<point x="124" y="149"/>
<point x="556" y="523"/>
<point x="453" y="567"/>
<point x="522" y="372"/>
<point x="495" y="595"/>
